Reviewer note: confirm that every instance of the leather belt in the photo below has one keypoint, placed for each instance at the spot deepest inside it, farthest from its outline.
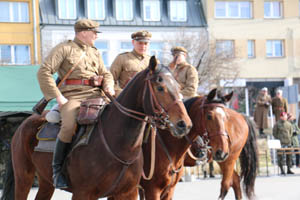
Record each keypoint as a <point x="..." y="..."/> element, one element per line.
<point x="77" y="82"/>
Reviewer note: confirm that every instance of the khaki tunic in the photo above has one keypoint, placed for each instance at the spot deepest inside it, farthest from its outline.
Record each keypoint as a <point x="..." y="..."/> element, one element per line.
<point x="126" y="66"/>
<point x="187" y="77"/>
<point x="61" y="59"/>
<point x="279" y="105"/>
<point x="261" y="110"/>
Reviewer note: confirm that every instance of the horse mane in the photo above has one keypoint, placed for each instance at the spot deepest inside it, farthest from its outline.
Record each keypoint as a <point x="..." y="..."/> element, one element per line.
<point x="189" y="102"/>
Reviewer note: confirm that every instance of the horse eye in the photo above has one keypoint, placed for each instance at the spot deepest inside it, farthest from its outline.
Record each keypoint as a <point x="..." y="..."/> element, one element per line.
<point x="160" y="79"/>
<point x="209" y="117"/>
<point x="160" y="88"/>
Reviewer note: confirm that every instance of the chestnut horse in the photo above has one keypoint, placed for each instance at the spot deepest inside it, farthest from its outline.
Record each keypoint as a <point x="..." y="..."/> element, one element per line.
<point x="112" y="163"/>
<point x="222" y="128"/>
<point x="170" y="153"/>
<point x="241" y="145"/>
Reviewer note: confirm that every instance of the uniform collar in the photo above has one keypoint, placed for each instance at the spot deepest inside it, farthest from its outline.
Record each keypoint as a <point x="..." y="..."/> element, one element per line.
<point x="139" y="56"/>
<point x="181" y="65"/>
<point x="81" y="44"/>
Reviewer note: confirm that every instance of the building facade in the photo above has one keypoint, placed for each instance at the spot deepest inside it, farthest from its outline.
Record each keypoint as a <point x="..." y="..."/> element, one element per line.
<point x="262" y="36"/>
<point x="19" y="32"/>
<point x="118" y="20"/>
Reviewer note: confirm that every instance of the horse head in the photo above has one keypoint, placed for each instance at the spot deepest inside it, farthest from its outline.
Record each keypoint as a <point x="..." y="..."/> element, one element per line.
<point x="215" y="120"/>
<point x="161" y="99"/>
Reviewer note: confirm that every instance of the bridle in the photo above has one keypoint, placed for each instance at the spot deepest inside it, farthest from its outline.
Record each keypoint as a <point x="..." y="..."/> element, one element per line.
<point x="159" y="119"/>
<point x="203" y="132"/>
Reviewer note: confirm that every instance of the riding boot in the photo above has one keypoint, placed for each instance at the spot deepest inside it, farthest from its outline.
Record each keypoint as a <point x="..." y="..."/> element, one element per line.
<point x="289" y="171"/>
<point x="59" y="180"/>
<point x="282" y="170"/>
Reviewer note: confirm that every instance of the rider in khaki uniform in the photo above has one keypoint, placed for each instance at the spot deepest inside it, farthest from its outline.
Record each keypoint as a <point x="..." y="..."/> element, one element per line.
<point x="185" y="74"/>
<point x="88" y="63"/>
<point x="126" y="65"/>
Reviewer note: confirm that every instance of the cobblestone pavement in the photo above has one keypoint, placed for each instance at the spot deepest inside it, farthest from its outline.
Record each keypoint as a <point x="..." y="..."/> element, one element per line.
<point x="274" y="187"/>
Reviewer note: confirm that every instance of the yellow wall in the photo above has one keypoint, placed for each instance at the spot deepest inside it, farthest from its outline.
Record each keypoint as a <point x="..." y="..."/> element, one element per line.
<point x="261" y="30"/>
<point x="22" y="33"/>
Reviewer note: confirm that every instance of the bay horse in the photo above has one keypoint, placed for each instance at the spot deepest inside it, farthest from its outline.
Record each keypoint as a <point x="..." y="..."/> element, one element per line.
<point x="241" y="144"/>
<point x="226" y="131"/>
<point x="112" y="163"/>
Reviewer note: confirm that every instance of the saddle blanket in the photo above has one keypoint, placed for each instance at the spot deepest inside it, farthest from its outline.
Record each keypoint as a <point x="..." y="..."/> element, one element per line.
<point x="48" y="133"/>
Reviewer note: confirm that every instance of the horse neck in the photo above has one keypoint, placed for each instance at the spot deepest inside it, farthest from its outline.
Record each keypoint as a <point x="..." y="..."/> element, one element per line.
<point x="123" y="132"/>
<point x="175" y="147"/>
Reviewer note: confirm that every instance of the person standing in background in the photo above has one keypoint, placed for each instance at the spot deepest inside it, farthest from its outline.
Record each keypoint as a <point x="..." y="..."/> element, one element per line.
<point x="283" y="131"/>
<point x="279" y="104"/>
<point x="263" y="102"/>
<point x="296" y="132"/>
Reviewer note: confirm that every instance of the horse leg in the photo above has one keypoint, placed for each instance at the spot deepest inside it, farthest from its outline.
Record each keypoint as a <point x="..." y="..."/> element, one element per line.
<point x="132" y="195"/>
<point x="45" y="190"/>
<point x="236" y="186"/>
<point x="23" y="182"/>
<point x="152" y="193"/>
<point x="169" y="194"/>
<point x="227" y="171"/>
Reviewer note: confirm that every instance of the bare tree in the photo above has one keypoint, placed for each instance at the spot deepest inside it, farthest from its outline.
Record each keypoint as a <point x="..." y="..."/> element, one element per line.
<point x="212" y="65"/>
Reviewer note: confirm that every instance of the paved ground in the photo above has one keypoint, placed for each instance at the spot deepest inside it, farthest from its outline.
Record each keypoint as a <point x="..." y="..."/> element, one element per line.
<point x="273" y="187"/>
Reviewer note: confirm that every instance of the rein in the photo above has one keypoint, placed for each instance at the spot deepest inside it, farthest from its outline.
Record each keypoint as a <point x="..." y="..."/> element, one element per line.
<point x="160" y="116"/>
<point x="173" y="170"/>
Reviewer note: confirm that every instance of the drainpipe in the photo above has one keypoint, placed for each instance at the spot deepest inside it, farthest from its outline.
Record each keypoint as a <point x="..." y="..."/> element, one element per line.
<point x="35" y="32"/>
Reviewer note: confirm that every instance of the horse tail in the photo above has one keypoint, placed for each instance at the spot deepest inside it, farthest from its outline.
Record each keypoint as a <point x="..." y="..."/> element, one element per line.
<point x="249" y="159"/>
<point x="9" y="181"/>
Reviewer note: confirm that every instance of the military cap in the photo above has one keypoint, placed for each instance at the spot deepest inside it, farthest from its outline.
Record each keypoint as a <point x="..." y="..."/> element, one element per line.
<point x="264" y="89"/>
<point x="86" y="25"/>
<point x="143" y="36"/>
<point x="178" y="49"/>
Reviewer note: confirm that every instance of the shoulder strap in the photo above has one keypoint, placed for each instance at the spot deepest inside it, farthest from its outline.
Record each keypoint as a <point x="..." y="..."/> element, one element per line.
<point x="71" y="70"/>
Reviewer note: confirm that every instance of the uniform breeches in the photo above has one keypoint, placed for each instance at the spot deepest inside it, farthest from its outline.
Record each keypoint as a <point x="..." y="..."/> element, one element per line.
<point x="288" y="159"/>
<point x="69" y="112"/>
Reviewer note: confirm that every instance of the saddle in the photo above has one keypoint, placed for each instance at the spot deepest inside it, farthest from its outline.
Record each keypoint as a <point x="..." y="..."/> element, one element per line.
<point x="88" y="116"/>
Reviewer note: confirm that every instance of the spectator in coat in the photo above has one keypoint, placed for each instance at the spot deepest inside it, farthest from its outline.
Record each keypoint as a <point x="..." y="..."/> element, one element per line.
<point x="263" y="101"/>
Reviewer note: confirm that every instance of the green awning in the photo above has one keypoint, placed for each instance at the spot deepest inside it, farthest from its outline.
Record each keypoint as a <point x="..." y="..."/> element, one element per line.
<point x="19" y="90"/>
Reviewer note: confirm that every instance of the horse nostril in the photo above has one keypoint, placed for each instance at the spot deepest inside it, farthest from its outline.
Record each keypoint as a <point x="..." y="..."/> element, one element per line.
<point x="219" y="153"/>
<point x="181" y="124"/>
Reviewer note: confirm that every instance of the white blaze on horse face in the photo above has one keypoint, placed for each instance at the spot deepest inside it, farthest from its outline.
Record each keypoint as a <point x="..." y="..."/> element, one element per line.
<point x="173" y="83"/>
<point x="221" y="112"/>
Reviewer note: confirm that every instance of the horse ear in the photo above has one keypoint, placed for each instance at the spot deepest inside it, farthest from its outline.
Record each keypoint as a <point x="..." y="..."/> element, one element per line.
<point x="228" y="96"/>
<point x="153" y="63"/>
<point x="211" y="95"/>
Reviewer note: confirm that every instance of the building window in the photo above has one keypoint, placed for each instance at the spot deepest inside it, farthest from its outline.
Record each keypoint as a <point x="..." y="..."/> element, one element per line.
<point x="96" y="9"/>
<point x="251" y="49"/>
<point x="178" y="11"/>
<point x="124" y="10"/>
<point x="151" y="10"/>
<point x="126" y="47"/>
<point x="273" y="9"/>
<point x="102" y="46"/>
<point x="156" y="49"/>
<point x="233" y="9"/>
<point x="14" y="11"/>
<point x="225" y="48"/>
<point x="274" y="48"/>
<point x="67" y="9"/>
<point x="15" y="54"/>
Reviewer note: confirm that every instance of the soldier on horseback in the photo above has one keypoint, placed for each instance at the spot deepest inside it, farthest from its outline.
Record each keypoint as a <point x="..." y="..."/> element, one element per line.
<point x="84" y="61"/>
